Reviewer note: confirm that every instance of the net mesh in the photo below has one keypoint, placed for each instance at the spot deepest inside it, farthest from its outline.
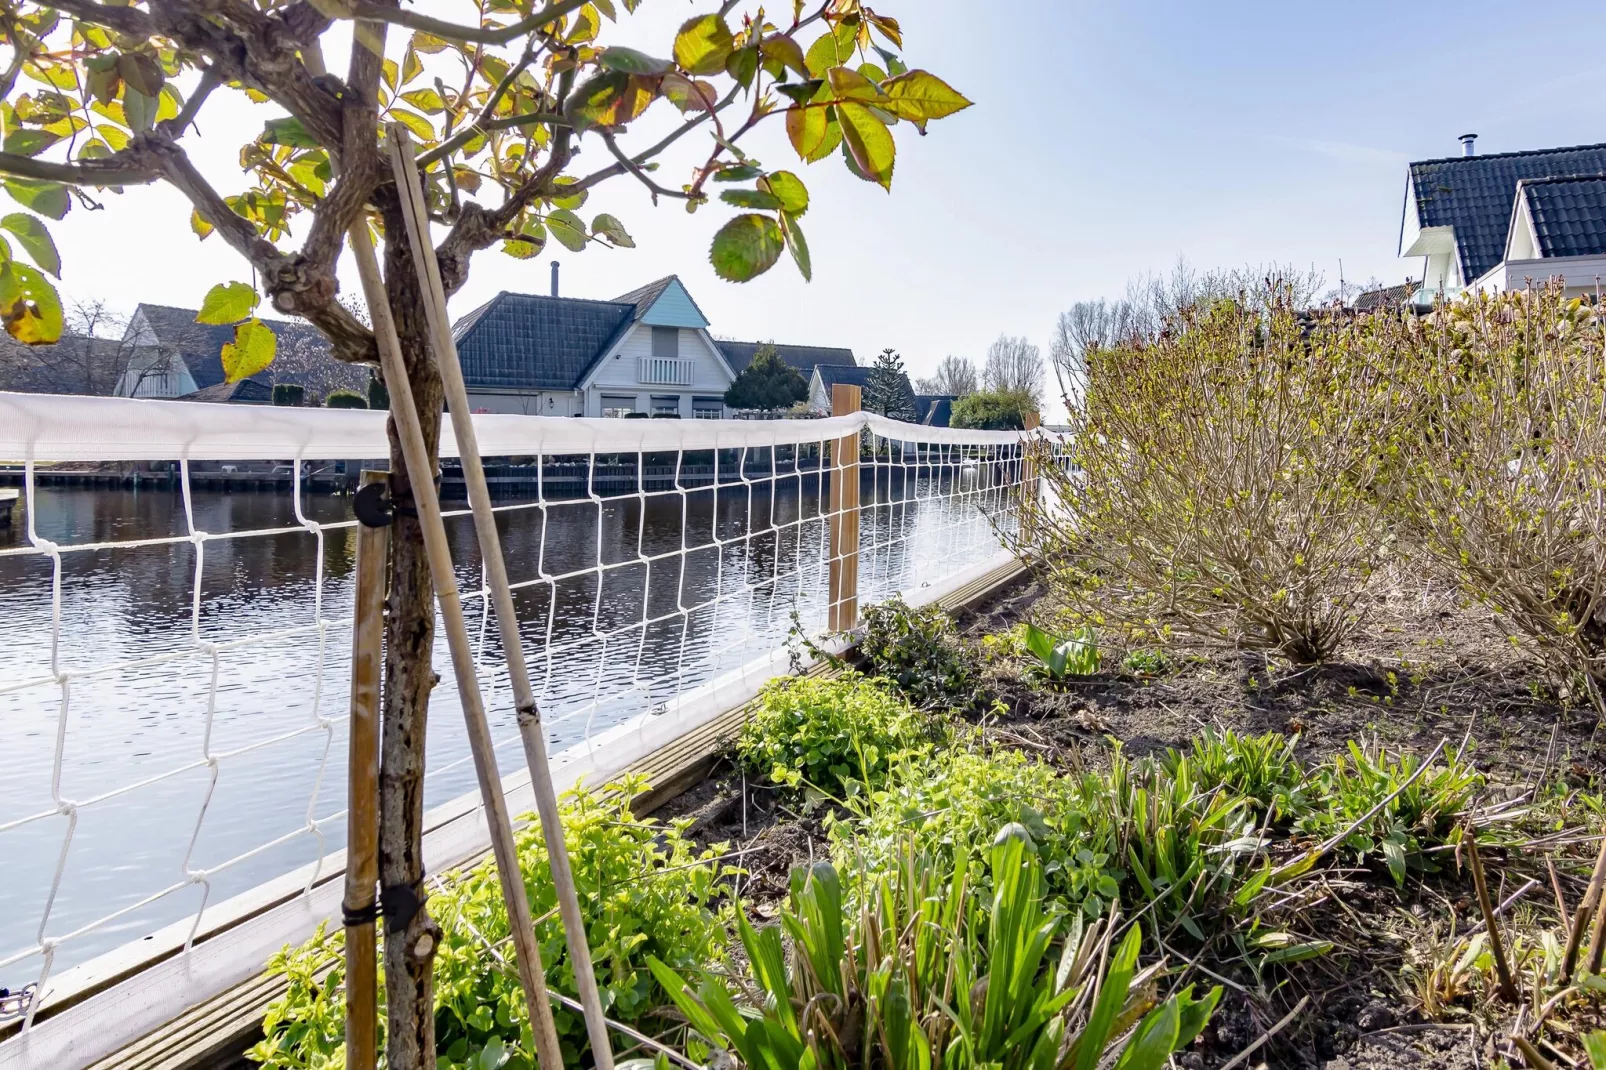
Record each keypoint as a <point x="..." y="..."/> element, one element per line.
<point x="178" y="607"/>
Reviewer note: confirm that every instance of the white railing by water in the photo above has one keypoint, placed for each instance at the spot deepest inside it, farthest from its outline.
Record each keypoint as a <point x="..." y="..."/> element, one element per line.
<point x="176" y="594"/>
<point x="666" y="371"/>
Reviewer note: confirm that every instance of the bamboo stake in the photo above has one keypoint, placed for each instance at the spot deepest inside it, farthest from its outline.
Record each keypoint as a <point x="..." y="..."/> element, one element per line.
<point x="421" y="474"/>
<point x="1028" y="483"/>
<point x="507" y="621"/>
<point x="842" y="581"/>
<point x="362" y="806"/>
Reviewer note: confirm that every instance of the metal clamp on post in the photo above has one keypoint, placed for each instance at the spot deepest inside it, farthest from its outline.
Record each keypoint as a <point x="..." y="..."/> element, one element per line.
<point x="372" y="506"/>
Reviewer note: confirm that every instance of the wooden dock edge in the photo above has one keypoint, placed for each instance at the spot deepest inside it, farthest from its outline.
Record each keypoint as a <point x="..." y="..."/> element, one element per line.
<point x="214" y="1034"/>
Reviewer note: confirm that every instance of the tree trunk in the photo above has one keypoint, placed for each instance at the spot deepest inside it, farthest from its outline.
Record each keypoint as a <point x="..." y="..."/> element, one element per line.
<point x="410" y="942"/>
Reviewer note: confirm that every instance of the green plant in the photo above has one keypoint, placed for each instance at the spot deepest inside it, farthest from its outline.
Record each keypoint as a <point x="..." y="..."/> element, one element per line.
<point x="645" y="890"/>
<point x="345" y="399"/>
<point x="887" y="389"/>
<point x="836" y="736"/>
<point x="1422" y="815"/>
<point x="1061" y="658"/>
<point x="1262" y="769"/>
<point x="1146" y="662"/>
<point x="767" y="383"/>
<point x="951" y="801"/>
<point x="921" y="652"/>
<point x="289" y="394"/>
<point x="378" y="396"/>
<point x="923" y="975"/>
<point x="1226" y="479"/>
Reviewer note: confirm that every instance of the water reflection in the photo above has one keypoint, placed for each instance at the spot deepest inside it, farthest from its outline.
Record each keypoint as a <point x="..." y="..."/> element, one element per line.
<point x="235" y="646"/>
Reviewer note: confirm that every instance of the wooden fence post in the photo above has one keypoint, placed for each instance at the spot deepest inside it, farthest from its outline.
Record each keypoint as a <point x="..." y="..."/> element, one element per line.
<point x="843" y="503"/>
<point x="362" y="795"/>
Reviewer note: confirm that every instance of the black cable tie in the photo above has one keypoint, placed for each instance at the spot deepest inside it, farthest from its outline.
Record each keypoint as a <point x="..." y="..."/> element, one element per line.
<point x="367" y="915"/>
<point x="398" y="903"/>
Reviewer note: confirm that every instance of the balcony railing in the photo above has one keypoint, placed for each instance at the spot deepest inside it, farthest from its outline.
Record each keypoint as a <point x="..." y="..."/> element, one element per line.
<point x="668" y="371"/>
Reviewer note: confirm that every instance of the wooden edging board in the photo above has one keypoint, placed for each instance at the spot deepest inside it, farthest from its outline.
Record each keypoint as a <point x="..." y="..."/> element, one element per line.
<point x="117" y="1019"/>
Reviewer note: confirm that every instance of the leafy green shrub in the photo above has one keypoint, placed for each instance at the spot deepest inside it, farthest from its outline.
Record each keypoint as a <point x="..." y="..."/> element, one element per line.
<point x="645" y="890"/>
<point x="378" y="396"/>
<point x="951" y="802"/>
<point x="289" y="394"/>
<point x="1424" y="815"/>
<point x="836" y="736"/>
<point x="993" y="410"/>
<point x="1225" y="480"/>
<point x="921" y="652"/>
<point x="1146" y="662"/>
<point x="926" y="975"/>
<point x="345" y="399"/>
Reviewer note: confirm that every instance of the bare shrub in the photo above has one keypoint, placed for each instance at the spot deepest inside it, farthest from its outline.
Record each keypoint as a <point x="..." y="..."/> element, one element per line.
<point x="1507" y="487"/>
<point x="1225" y="479"/>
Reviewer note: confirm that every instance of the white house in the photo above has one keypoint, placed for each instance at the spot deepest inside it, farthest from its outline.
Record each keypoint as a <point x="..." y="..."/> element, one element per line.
<point x="648" y="353"/>
<point x="1505" y="220"/>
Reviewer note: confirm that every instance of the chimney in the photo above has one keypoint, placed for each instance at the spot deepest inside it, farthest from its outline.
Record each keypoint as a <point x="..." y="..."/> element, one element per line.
<point x="1468" y="143"/>
<point x="555" y="278"/>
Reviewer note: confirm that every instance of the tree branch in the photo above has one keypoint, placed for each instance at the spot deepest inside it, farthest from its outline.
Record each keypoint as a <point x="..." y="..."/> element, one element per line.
<point x="479" y="126"/>
<point x="669" y="139"/>
<point x="130" y="167"/>
<point x="125" y="20"/>
<point x="451" y="31"/>
<point x="175" y="127"/>
<point x="635" y="169"/>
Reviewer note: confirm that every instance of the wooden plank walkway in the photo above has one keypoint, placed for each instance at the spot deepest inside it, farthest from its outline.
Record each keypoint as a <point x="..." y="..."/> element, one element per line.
<point x="214" y="1035"/>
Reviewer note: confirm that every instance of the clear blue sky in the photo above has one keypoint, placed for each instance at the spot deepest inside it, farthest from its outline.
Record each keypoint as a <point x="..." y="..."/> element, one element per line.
<point x="1106" y="140"/>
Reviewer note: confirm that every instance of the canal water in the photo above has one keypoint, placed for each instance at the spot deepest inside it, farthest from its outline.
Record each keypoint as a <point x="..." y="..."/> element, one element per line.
<point x="753" y="567"/>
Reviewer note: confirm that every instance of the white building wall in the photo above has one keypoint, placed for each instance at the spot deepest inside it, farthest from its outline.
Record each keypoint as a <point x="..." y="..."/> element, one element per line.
<point x="619" y="374"/>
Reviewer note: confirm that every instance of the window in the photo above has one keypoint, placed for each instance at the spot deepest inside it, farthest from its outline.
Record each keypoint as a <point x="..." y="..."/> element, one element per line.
<point x="708" y="408"/>
<point x="666" y="342"/>
<point x="666" y="406"/>
<point x="618" y="406"/>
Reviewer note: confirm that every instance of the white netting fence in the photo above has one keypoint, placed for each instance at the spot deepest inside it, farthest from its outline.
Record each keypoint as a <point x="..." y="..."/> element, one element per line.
<point x="176" y="591"/>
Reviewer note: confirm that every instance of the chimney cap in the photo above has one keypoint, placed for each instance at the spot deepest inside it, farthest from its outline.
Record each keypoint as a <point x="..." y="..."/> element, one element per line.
<point x="1467" y="143"/>
<point x="554" y="278"/>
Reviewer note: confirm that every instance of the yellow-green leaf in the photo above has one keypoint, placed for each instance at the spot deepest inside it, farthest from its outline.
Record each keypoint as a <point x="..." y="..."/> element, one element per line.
<point x="746" y="247"/>
<point x="288" y="131"/>
<point x="788" y="189"/>
<point x="849" y="84"/>
<point x="520" y="249"/>
<point x="797" y="245"/>
<point x="632" y="61"/>
<point x="227" y="302"/>
<point x="607" y="226"/>
<point x="24" y="142"/>
<point x="568" y="228"/>
<point x="809" y="128"/>
<point x="428" y="43"/>
<point x="751" y="198"/>
<point x="834" y="49"/>
<point x="199" y="225"/>
<point x="869" y="142"/>
<point x="420" y="126"/>
<point x="785" y="50"/>
<point x="920" y="96"/>
<point x="29" y="305"/>
<point x="425" y="100"/>
<point x="703" y="44"/>
<point x="46" y="198"/>
<point x="140" y="109"/>
<point x="610" y="99"/>
<point x="252" y="350"/>
<point x="33" y="237"/>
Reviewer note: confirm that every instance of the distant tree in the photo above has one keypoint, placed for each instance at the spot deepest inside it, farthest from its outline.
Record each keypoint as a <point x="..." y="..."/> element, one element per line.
<point x="90" y="358"/>
<point x="344" y="399"/>
<point x="955" y="375"/>
<point x="1014" y="366"/>
<point x="993" y="410"/>
<point x="378" y="396"/>
<point x="767" y="383"/>
<point x="887" y="390"/>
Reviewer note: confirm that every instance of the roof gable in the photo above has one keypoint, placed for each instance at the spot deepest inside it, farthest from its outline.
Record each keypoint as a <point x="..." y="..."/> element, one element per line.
<point x="665" y="303"/>
<point x="1475" y="194"/>
<point x="1568" y="215"/>
<point x="200" y="345"/>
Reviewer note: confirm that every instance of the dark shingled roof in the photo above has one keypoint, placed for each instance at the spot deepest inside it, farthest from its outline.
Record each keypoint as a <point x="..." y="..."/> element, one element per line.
<point x="244" y="392"/>
<point x="934" y="410"/>
<point x="1475" y="194"/>
<point x="527" y="342"/>
<point x="1387" y="297"/>
<point x="804" y="358"/>
<point x="832" y="374"/>
<point x="1569" y="215"/>
<point x="200" y="345"/>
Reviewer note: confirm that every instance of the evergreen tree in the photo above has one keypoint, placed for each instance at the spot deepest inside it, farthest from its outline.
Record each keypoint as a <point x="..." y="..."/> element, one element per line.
<point x="768" y="382"/>
<point x="887" y="391"/>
